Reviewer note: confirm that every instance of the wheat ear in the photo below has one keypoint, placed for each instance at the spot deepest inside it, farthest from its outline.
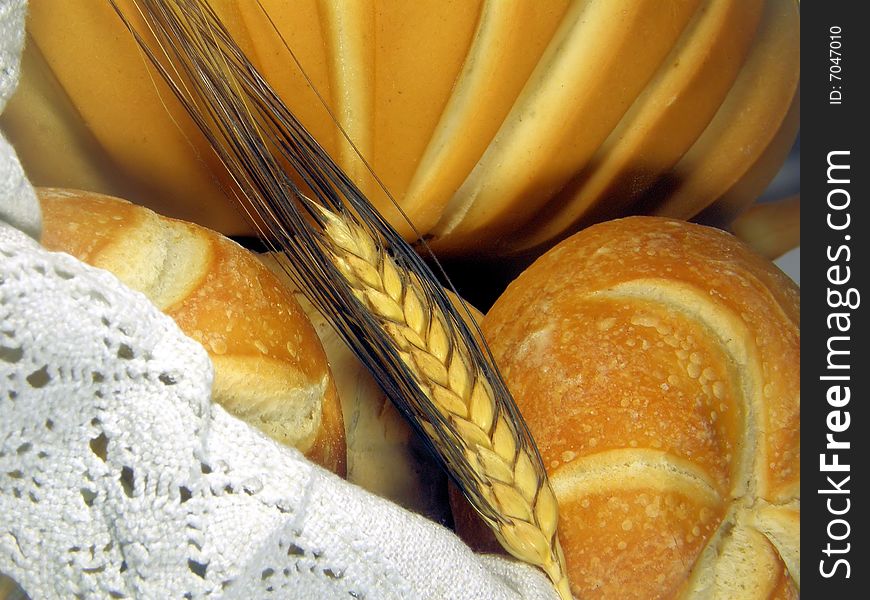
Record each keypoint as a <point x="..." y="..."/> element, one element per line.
<point x="388" y="306"/>
<point x="510" y="477"/>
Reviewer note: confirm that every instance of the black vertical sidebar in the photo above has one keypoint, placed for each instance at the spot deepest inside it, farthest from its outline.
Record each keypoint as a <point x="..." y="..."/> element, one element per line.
<point x="835" y="354"/>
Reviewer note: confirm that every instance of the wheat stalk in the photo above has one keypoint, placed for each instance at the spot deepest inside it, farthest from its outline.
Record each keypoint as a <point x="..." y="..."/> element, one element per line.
<point x="510" y="477"/>
<point x="377" y="291"/>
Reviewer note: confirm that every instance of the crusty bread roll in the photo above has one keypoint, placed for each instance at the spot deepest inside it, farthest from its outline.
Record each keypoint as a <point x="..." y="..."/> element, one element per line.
<point x="270" y="369"/>
<point x="657" y="365"/>
<point x="498" y="126"/>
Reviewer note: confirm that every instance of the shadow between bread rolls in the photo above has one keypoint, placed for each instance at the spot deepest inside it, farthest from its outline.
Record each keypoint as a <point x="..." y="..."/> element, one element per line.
<point x="657" y="365"/>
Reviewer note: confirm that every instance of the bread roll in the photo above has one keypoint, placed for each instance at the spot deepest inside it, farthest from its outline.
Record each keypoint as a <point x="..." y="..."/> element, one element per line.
<point x="270" y="369"/>
<point x="771" y="228"/>
<point x="498" y="126"/>
<point x="657" y="365"/>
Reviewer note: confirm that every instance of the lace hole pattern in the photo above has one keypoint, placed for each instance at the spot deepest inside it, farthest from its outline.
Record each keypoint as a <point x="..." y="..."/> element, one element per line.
<point x="94" y="378"/>
<point x="122" y="480"/>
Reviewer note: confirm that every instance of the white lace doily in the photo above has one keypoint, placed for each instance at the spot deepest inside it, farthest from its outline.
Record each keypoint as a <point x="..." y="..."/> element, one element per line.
<point x="118" y="477"/>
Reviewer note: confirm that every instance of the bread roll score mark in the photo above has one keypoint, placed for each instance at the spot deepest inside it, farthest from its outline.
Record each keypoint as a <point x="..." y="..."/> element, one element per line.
<point x="637" y="469"/>
<point x="739" y="562"/>
<point x="732" y="334"/>
<point x="781" y="524"/>
<point x="258" y="389"/>
<point x="751" y="521"/>
<point x="629" y="502"/>
<point x="158" y="257"/>
<point x="743" y="558"/>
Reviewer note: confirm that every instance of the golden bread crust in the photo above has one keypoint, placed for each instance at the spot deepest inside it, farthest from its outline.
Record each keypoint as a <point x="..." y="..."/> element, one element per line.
<point x="657" y="365"/>
<point x="270" y="368"/>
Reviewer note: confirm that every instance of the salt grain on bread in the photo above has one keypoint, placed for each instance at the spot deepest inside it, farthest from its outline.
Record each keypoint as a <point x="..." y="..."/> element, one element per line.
<point x="657" y="364"/>
<point x="270" y="369"/>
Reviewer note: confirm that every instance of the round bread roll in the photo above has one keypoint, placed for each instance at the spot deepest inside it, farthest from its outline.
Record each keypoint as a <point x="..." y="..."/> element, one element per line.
<point x="269" y="367"/>
<point x="657" y="365"/>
